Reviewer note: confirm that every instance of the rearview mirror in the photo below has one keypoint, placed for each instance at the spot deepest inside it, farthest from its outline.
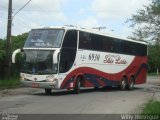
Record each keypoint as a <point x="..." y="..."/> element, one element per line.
<point x="15" y="53"/>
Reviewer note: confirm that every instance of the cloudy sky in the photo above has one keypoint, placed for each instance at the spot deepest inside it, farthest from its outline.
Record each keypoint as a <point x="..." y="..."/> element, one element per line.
<point x="111" y="14"/>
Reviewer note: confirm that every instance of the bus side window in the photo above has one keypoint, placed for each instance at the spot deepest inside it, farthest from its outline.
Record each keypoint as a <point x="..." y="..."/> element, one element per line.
<point x="84" y="40"/>
<point x="96" y="42"/>
<point x="64" y="62"/>
<point x="68" y="51"/>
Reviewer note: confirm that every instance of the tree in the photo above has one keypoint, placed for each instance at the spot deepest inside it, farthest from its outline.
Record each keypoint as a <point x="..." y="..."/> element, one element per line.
<point x="147" y="23"/>
<point x="2" y="56"/>
<point x="17" y="42"/>
<point x="2" y="50"/>
<point x="154" y="58"/>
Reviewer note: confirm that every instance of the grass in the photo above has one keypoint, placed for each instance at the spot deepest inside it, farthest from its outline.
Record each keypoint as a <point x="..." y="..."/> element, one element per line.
<point x="152" y="107"/>
<point x="152" y="74"/>
<point x="11" y="83"/>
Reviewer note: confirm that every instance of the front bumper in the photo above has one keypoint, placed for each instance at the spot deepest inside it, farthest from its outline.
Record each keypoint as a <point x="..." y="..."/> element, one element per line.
<point x="36" y="84"/>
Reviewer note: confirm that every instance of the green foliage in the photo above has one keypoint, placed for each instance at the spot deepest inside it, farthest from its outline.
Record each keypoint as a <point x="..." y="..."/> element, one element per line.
<point x="153" y="57"/>
<point x="152" y="107"/>
<point x="11" y="83"/>
<point x="147" y="23"/>
<point x="152" y="74"/>
<point x="156" y="7"/>
<point x="2" y="50"/>
<point x="147" y="27"/>
<point x="17" y="42"/>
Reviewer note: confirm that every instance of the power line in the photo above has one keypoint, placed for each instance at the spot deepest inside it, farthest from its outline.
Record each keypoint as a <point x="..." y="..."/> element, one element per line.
<point x="21" y="8"/>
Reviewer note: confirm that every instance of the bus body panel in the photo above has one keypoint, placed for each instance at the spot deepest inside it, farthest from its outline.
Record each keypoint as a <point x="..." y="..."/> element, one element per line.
<point x="105" y="73"/>
<point x="97" y="68"/>
<point x="94" y="77"/>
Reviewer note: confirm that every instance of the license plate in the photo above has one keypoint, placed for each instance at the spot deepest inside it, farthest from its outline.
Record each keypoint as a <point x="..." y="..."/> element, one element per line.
<point x="35" y="85"/>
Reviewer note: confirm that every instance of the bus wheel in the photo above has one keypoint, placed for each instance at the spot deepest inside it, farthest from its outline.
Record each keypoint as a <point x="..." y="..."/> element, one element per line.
<point x="130" y="86"/>
<point x="48" y="91"/>
<point x="123" y="83"/>
<point x="77" y="86"/>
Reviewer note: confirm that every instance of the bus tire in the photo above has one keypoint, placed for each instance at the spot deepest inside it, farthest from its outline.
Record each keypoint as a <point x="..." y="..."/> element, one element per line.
<point x="48" y="91"/>
<point x="77" y="86"/>
<point x="123" y="84"/>
<point x="130" y="86"/>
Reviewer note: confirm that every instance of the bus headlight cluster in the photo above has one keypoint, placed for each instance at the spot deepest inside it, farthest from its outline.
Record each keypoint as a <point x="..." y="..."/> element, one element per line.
<point x="22" y="77"/>
<point x="50" y="78"/>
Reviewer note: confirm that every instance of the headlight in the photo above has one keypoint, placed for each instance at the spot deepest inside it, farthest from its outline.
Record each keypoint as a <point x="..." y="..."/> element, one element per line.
<point x="51" y="78"/>
<point x="22" y="77"/>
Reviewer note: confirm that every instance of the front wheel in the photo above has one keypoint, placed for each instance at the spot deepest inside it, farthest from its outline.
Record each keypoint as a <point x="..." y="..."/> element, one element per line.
<point x="123" y="83"/>
<point x="77" y="86"/>
<point x="48" y="91"/>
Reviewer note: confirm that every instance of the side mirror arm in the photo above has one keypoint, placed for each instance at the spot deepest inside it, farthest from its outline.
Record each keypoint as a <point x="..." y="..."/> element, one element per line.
<point x="14" y="54"/>
<point x="55" y="56"/>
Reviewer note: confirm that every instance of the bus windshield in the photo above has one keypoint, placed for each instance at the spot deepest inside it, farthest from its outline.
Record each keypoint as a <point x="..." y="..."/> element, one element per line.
<point x="38" y="62"/>
<point x="44" y="38"/>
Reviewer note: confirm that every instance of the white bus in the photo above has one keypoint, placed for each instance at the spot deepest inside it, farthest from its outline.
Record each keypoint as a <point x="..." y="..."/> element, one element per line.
<point x="71" y="58"/>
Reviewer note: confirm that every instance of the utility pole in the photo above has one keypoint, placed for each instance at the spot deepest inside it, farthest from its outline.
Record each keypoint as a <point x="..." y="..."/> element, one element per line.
<point x="8" y="46"/>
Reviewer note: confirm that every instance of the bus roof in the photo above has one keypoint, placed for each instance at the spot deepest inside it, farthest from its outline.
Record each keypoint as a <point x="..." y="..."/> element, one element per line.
<point x="92" y="31"/>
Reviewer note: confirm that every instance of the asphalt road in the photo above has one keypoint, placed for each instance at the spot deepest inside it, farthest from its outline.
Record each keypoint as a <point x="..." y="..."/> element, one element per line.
<point x="89" y="101"/>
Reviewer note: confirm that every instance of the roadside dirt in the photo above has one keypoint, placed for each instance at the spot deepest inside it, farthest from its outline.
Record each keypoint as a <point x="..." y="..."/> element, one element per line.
<point x="17" y="91"/>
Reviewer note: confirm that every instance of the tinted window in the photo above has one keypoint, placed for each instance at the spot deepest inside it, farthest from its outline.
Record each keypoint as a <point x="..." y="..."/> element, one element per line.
<point x="125" y="47"/>
<point x="84" y="40"/>
<point x="139" y="49"/>
<point x="96" y="42"/>
<point x="70" y="39"/>
<point x="109" y="44"/>
<point x="68" y="51"/>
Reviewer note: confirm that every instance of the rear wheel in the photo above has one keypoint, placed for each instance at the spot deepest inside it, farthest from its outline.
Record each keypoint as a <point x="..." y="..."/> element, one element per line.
<point x="48" y="91"/>
<point x="123" y="83"/>
<point x="77" y="86"/>
<point x="130" y="86"/>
